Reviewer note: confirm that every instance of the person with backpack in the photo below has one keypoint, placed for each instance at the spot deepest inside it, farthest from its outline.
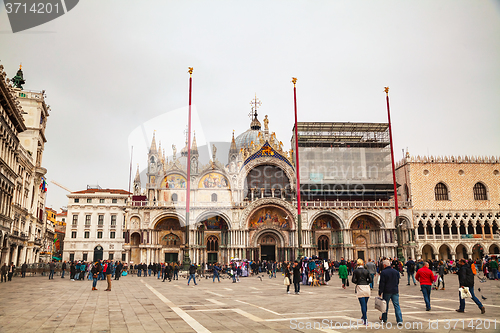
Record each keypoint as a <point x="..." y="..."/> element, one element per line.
<point x="466" y="279"/>
<point x="410" y="270"/>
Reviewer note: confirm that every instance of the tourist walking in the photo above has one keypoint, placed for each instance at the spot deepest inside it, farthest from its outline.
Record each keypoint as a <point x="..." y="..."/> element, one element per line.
<point x="466" y="279"/>
<point x="176" y="271"/>
<point x="118" y="270"/>
<point x="410" y="270"/>
<point x="192" y="272"/>
<point x="296" y="277"/>
<point x="288" y="277"/>
<point x="372" y="269"/>
<point x="96" y="269"/>
<point x="343" y="274"/>
<point x="63" y="269"/>
<point x="494" y="268"/>
<point x="215" y="272"/>
<point x="24" y="267"/>
<point x="52" y="267"/>
<point x="362" y="278"/>
<point x="426" y="278"/>
<point x="4" y="271"/>
<point x="388" y="289"/>
<point x="442" y="270"/>
<point x="108" y="269"/>
<point x="12" y="269"/>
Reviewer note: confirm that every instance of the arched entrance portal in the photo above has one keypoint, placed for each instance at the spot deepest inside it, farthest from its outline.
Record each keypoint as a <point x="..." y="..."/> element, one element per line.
<point x="327" y="232"/>
<point x="366" y="230"/>
<point x="135" y="254"/>
<point x="270" y="228"/>
<point x="170" y="237"/>
<point x="98" y="253"/>
<point x="268" y="244"/>
<point x="212" y="239"/>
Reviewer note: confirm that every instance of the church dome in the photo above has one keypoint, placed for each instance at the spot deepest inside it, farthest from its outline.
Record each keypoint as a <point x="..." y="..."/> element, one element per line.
<point x="245" y="139"/>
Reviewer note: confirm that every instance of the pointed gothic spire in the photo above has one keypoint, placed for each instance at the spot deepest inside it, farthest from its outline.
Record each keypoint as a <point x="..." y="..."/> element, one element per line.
<point x="233" y="149"/>
<point x="153" y="144"/>
<point x="194" y="146"/>
<point x="137" y="176"/>
<point x="159" y="150"/>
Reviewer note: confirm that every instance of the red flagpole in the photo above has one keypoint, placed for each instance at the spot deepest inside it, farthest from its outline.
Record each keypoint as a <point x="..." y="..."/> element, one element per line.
<point x="299" y="208"/>
<point x="187" y="261"/>
<point x="396" y="205"/>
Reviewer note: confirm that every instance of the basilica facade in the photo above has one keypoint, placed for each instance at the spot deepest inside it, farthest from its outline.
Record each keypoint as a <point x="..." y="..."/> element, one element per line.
<point x="244" y="205"/>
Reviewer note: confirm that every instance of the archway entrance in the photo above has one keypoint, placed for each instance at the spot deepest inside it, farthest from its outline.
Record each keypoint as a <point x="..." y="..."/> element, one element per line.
<point x="477" y="252"/>
<point x="326" y="229"/>
<point x="98" y="253"/>
<point x="269" y="228"/>
<point x="366" y="229"/>
<point x="170" y="237"/>
<point x="267" y="244"/>
<point x="427" y="252"/>
<point x="323" y="245"/>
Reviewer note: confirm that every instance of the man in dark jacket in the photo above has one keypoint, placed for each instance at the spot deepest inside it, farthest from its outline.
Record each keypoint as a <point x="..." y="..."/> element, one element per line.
<point x="107" y="272"/>
<point x="192" y="272"/>
<point x="63" y="267"/>
<point x="24" y="267"/>
<point x="410" y="270"/>
<point x="466" y="279"/>
<point x="118" y="270"/>
<point x="388" y="289"/>
<point x="296" y="277"/>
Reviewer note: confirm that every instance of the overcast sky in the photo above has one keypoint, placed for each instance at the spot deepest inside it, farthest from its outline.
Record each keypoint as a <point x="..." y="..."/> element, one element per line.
<point x="115" y="71"/>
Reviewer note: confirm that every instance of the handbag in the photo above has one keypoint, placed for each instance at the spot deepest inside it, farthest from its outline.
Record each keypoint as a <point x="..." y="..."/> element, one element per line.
<point x="464" y="292"/>
<point x="380" y="304"/>
<point x="286" y="282"/>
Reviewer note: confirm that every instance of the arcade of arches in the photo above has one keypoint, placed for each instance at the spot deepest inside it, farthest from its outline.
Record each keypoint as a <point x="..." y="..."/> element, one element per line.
<point x="162" y="244"/>
<point x="457" y="252"/>
<point x="365" y="239"/>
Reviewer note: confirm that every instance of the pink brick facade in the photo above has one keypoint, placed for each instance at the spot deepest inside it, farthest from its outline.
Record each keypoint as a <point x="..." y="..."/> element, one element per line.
<point x="462" y="225"/>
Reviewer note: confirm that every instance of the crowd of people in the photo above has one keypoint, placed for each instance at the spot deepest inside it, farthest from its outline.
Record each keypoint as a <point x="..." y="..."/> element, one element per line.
<point x="385" y="272"/>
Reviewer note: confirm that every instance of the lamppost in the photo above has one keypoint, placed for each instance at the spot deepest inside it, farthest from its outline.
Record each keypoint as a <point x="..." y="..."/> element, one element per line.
<point x="396" y="206"/>
<point x="299" y="210"/>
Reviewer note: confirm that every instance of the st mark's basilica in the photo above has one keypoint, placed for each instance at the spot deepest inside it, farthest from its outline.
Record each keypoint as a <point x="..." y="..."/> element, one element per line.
<point x="244" y="205"/>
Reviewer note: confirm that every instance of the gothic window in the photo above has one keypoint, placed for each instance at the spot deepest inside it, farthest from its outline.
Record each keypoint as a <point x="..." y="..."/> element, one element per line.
<point x="441" y="192"/>
<point x="212" y="243"/>
<point x="323" y="243"/>
<point x="214" y="197"/>
<point x="174" y="197"/>
<point x="480" y="192"/>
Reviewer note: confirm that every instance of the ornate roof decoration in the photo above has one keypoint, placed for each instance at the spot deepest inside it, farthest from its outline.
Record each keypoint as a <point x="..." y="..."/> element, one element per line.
<point x="448" y="159"/>
<point x="266" y="150"/>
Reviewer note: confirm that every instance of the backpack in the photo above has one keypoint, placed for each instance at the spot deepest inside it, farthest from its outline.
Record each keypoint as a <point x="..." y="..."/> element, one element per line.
<point x="473" y="268"/>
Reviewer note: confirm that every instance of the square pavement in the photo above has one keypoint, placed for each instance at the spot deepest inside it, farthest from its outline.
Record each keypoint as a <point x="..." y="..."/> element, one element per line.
<point x="146" y="304"/>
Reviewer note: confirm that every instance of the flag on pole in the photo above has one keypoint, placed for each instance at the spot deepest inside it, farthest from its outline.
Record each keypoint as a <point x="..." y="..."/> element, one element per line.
<point x="43" y="185"/>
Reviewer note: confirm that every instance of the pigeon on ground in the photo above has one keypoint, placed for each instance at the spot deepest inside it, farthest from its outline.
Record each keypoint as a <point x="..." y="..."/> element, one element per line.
<point x="483" y="297"/>
<point x="260" y="277"/>
<point x="479" y="289"/>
